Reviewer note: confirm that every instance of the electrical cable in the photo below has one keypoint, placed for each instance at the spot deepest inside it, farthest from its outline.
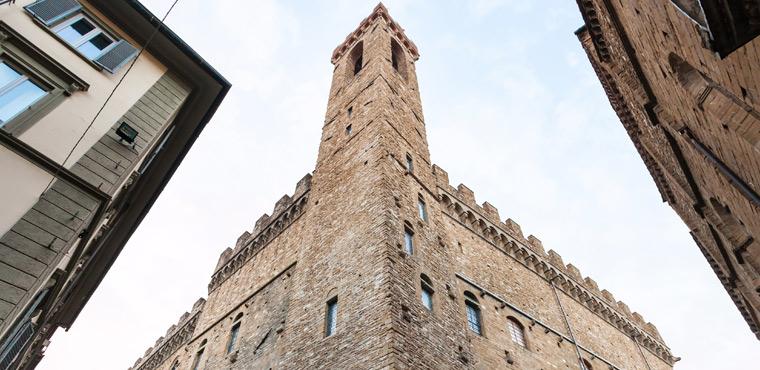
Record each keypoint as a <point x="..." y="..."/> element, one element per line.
<point x="113" y="91"/>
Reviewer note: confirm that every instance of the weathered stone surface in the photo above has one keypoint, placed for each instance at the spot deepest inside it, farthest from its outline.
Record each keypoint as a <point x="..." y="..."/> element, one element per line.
<point x="341" y="238"/>
<point x="692" y="110"/>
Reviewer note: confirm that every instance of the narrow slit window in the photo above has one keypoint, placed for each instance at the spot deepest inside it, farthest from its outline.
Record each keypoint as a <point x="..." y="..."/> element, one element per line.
<point x="349" y="129"/>
<point x="331" y="317"/>
<point x="199" y="356"/>
<point x="234" y="333"/>
<point x="408" y="241"/>
<point x="427" y="292"/>
<point x="409" y="163"/>
<point x="474" y="320"/>
<point x="422" y="208"/>
<point x="350" y="111"/>
<point x="586" y="365"/>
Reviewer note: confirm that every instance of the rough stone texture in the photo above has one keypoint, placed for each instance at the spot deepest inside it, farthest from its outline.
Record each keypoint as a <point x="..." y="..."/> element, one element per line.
<point x="692" y="114"/>
<point x="341" y="235"/>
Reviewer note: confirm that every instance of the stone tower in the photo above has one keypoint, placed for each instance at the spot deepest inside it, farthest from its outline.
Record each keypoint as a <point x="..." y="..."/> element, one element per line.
<point x="377" y="262"/>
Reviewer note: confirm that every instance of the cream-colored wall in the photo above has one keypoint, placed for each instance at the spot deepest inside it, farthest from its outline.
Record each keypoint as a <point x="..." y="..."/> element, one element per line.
<point x="56" y="133"/>
<point x="21" y="185"/>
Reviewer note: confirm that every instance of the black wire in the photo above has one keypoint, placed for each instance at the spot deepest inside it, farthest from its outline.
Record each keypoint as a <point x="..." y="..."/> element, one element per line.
<point x="113" y="91"/>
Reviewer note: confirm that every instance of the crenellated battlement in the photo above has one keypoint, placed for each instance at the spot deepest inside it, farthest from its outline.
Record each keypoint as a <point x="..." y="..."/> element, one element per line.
<point x="176" y="336"/>
<point x="286" y="210"/>
<point x="379" y="11"/>
<point x="460" y="204"/>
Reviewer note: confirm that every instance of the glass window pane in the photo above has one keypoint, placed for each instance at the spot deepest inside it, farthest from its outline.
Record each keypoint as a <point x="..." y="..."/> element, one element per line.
<point x="73" y="32"/>
<point x="427" y="299"/>
<point x="18" y="99"/>
<point x="93" y="47"/>
<point x="408" y="242"/>
<point x="332" y="318"/>
<point x="473" y="318"/>
<point x="7" y="74"/>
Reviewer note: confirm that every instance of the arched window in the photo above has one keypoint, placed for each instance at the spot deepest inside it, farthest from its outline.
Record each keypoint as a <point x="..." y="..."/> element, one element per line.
<point x="234" y="332"/>
<point x="199" y="355"/>
<point x="586" y="365"/>
<point x="516" y="331"/>
<point x="427" y="291"/>
<point x="398" y="58"/>
<point x="473" y="313"/>
<point x="356" y="60"/>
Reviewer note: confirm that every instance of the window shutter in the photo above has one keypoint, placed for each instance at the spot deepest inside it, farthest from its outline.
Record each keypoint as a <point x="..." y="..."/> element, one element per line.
<point x="116" y="56"/>
<point x="50" y="11"/>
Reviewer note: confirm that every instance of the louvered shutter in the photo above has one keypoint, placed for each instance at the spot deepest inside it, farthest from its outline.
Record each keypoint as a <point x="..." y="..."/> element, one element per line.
<point x="116" y="56"/>
<point x="50" y="11"/>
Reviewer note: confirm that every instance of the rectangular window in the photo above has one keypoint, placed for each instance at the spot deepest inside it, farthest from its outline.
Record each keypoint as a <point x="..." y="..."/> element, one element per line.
<point x="473" y="319"/>
<point x="84" y="35"/>
<point x="349" y="129"/>
<point x="198" y="358"/>
<point x="427" y="298"/>
<point x="71" y="23"/>
<point x="331" y="317"/>
<point x="422" y="209"/>
<point x="408" y="241"/>
<point x="234" y="331"/>
<point x="409" y="163"/>
<point x="350" y="111"/>
<point x="17" y="92"/>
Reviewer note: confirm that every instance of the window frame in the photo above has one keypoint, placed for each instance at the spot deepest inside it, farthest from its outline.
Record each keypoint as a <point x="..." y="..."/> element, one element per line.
<point x="52" y="28"/>
<point x="45" y="71"/>
<point x="234" y="333"/>
<point x="422" y="208"/>
<point x="517" y="332"/>
<point x="199" y="355"/>
<point x="472" y="305"/>
<point x="331" y="317"/>
<point x="426" y="287"/>
<point x="408" y="240"/>
<point x="98" y="29"/>
<point x="409" y="163"/>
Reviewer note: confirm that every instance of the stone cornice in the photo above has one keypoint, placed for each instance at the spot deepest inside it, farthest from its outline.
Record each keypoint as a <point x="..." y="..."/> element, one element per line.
<point x="379" y="11"/>
<point x="529" y="252"/>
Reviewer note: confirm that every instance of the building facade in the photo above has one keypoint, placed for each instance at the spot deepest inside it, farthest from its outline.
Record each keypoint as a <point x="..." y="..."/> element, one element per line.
<point x="99" y="102"/>
<point x="375" y="261"/>
<point x="684" y="78"/>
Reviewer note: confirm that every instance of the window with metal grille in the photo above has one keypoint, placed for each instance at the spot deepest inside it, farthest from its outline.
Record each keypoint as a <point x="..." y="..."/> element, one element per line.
<point x="473" y="313"/>
<point x="331" y="316"/>
<point x="427" y="292"/>
<point x="516" y="331"/>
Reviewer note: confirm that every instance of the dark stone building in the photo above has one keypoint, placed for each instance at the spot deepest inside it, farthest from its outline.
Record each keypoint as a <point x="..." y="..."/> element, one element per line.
<point x="684" y="78"/>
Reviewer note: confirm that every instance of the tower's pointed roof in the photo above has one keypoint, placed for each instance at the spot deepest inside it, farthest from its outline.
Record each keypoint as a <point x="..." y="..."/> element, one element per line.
<point x="379" y="11"/>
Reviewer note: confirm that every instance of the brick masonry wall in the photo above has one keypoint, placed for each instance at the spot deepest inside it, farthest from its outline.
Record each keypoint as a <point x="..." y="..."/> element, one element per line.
<point x="694" y="118"/>
<point x="348" y="243"/>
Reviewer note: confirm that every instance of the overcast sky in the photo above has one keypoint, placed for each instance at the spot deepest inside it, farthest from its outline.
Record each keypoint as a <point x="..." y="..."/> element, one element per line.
<point x="513" y="110"/>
